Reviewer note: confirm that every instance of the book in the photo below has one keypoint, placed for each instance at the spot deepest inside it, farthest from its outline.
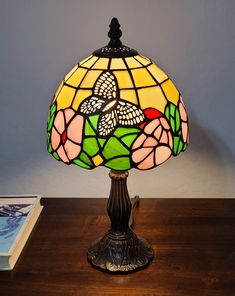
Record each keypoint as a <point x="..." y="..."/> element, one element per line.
<point x="18" y="215"/>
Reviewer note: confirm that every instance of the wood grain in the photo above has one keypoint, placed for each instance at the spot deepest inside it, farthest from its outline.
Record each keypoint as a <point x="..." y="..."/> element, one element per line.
<point x="193" y="241"/>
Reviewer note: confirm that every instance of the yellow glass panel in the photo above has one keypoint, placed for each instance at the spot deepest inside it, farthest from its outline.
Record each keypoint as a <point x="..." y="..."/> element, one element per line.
<point x="57" y="91"/>
<point x="76" y="78"/>
<point x="65" y="97"/>
<point x="170" y="91"/>
<point x="142" y="77"/>
<point x="70" y="72"/>
<point x="80" y="96"/>
<point x="145" y="58"/>
<point x="142" y="60"/>
<point x="90" y="62"/>
<point x="117" y="64"/>
<point x="90" y="78"/>
<point x="152" y="97"/>
<point x="157" y="73"/>
<point x="129" y="95"/>
<point x="86" y="59"/>
<point x="97" y="160"/>
<point x="124" y="79"/>
<point x="132" y="63"/>
<point x="101" y="63"/>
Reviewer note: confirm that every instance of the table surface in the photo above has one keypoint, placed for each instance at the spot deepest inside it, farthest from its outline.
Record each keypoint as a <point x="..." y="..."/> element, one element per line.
<point x="193" y="241"/>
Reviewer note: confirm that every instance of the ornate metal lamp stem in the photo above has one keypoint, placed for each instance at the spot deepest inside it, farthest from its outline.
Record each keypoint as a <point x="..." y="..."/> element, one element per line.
<point x="120" y="249"/>
<point x="119" y="204"/>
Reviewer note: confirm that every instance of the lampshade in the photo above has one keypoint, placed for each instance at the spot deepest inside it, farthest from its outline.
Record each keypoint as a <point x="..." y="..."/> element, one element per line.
<point x="117" y="109"/>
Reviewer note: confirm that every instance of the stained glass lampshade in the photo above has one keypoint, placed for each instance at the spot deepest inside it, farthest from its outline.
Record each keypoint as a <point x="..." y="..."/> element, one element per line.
<point x="117" y="109"/>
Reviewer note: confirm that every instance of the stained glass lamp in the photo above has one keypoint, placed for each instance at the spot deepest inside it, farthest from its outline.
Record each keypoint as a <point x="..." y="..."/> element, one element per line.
<point x="117" y="109"/>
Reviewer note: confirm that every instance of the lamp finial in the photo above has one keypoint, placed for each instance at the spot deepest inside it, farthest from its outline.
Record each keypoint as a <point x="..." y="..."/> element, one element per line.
<point x="115" y="33"/>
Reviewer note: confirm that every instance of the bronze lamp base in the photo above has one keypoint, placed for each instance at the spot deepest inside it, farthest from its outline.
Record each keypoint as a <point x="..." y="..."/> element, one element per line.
<point x="120" y="250"/>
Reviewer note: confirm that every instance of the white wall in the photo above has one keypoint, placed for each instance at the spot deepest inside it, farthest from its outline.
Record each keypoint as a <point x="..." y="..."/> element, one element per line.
<point x="193" y="41"/>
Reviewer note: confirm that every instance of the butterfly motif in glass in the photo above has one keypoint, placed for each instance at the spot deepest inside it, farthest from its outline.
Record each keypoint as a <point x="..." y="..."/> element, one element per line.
<point x="113" y="111"/>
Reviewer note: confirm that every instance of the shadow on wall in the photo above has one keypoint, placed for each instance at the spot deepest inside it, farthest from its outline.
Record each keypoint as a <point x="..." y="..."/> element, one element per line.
<point x="214" y="160"/>
<point x="202" y="171"/>
<point x="208" y="145"/>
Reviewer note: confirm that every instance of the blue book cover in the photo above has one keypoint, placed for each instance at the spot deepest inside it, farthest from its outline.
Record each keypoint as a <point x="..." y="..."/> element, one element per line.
<point x="12" y="218"/>
<point x="18" y="215"/>
<point x="15" y="214"/>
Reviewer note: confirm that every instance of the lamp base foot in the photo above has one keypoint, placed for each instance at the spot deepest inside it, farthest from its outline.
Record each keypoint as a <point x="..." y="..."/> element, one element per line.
<point x="120" y="253"/>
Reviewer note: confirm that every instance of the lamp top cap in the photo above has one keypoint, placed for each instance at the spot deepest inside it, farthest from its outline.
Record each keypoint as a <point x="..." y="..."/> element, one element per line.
<point x="115" y="33"/>
<point x="115" y="48"/>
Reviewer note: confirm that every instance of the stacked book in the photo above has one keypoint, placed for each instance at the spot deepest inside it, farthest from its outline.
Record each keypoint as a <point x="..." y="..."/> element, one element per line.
<point x="18" y="215"/>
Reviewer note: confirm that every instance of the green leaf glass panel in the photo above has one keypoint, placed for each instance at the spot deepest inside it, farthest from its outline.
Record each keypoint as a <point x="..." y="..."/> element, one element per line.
<point x="121" y="131"/>
<point x="85" y="158"/>
<point x="101" y="141"/>
<point x="177" y="120"/>
<point x="167" y="112"/>
<point x="81" y="164"/>
<point x="129" y="139"/>
<point x="176" y="144"/>
<point x="94" y="121"/>
<point x="184" y="147"/>
<point x="180" y="147"/>
<point x="56" y="156"/>
<point x="50" y="122"/>
<point x="172" y="110"/>
<point x="90" y="146"/>
<point x="172" y="122"/>
<point x="113" y="148"/>
<point x="88" y="129"/>
<point x="49" y="148"/>
<point x="119" y="163"/>
<point x="53" y="108"/>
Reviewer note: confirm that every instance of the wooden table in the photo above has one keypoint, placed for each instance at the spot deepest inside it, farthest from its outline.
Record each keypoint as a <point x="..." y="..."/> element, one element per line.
<point x="193" y="240"/>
